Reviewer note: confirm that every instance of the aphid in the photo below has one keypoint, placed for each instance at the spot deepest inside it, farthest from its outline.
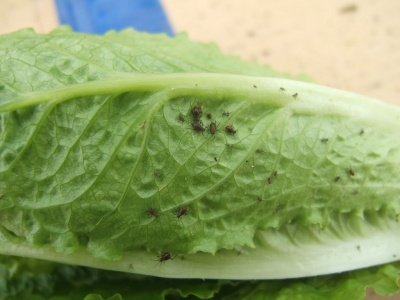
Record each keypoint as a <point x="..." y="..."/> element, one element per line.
<point x="337" y="178"/>
<point x="276" y="173"/>
<point x="213" y="128"/>
<point x="254" y="86"/>
<point x="209" y="116"/>
<point x="259" y="199"/>
<point x="324" y="140"/>
<point x="181" y="118"/>
<point x="215" y="158"/>
<point x="280" y="207"/>
<point x="164" y="257"/>
<point x="351" y="172"/>
<point x="230" y="129"/>
<point x="295" y="95"/>
<point x="196" y="112"/>
<point x="181" y="212"/>
<point x="269" y="180"/>
<point x="225" y="114"/>
<point x="152" y="211"/>
<point x="282" y="89"/>
<point x="259" y="150"/>
<point x="362" y="131"/>
<point x="197" y="127"/>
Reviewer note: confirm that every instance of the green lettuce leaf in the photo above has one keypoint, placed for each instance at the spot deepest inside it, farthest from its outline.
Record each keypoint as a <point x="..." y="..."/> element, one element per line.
<point x="150" y="155"/>
<point x="24" y="278"/>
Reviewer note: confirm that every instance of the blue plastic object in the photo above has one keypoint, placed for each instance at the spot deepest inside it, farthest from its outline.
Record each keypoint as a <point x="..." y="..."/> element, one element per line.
<point x="99" y="16"/>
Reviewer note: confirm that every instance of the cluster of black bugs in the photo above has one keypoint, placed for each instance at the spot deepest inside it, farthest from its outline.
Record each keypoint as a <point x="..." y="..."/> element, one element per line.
<point x="198" y="125"/>
<point x="151" y="211"/>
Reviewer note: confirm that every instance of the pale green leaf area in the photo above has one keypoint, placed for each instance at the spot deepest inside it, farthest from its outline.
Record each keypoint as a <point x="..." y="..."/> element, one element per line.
<point x="103" y="163"/>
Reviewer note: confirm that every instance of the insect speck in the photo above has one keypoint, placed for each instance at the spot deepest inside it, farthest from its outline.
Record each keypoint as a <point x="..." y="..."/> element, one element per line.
<point x="164" y="257"/>
<point x="230" y="129"/>
<point x="209" y="116"/>
<point x="337" y="178"/>
<point x="197" y="127"/>
<point x="275" y="173"/>
<point x="269" y="180"/>
<point x="225" y="114"/>
<point x="152" y="211"/>
<point x="254" y="86"/>
<point x="181" y="118"/>
<point x="181" y="212"/>
<point x="215" y="158"/>
<point x="324" y="140"/>
<point x="196" y="112"/>
<point x="213" y="128"/>
<point x="362" y="131"/>
<point x="295" y="95"/>
<point x="282" y="89"/>
<point x="351" y="172"/>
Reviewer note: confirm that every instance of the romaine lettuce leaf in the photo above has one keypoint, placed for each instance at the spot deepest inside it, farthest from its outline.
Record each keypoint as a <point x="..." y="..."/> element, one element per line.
<point x="145" y="154"/>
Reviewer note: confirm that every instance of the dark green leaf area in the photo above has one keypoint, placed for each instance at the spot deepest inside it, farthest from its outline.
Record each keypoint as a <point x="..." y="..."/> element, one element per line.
<point x="24" y="278"/>
<point x="113" y="173"/>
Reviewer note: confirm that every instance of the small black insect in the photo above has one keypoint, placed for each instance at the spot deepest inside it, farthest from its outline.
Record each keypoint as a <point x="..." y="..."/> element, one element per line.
<point x="181" y="212"/>
<point x="197" y="127"/>
<point x="213" y="128"/>
<point x="164" y="257"/>
<point x="337" y="178"/>
<point x="196" y="112"/>
<point x="230" y="129"/>
<point x="280" y="207"/>
<point x="259" y="199"/>
<point x="362" y="131"/>
<point x="351" y="172"/>
<point x="324" y="140"/>
<point x="295" y="95"/>
<point x="269" y="180"/>
<point x="259" y="150"/>
<point x="215" y="158"/>
<point x="276" y="173"/>
<point x="225" y="113"/>
<point x="209" y="116"/>
<point x="282" y="89"/>
<point x="254" y="86"/>
<point x="152" y="211"/>
<point x="181" y="118"/>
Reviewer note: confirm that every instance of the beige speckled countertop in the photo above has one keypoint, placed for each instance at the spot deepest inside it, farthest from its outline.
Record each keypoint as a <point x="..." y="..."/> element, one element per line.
<point x="347" y="44"/>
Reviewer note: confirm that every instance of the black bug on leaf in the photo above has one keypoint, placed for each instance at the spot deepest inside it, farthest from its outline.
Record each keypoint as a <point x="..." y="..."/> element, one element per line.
<point x="351" y="172"/>
<point x="198" y="127"/>
<point x="181" y="212"/>
<point x="213" y="128"/>
<point x="181" y="118"/>
<point x="164" y="257"/>
<point x="295" y="95"/>
<point x="269" y="180"/>
<point x="209" y="116"/>
<point x="336" y="179"/>
<point x="152" y="211"/>
<point x="225" y="113"/>
<point x="229" y="129"/>
<point x="196" y="112"/>
<point x="324" y="140"/>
